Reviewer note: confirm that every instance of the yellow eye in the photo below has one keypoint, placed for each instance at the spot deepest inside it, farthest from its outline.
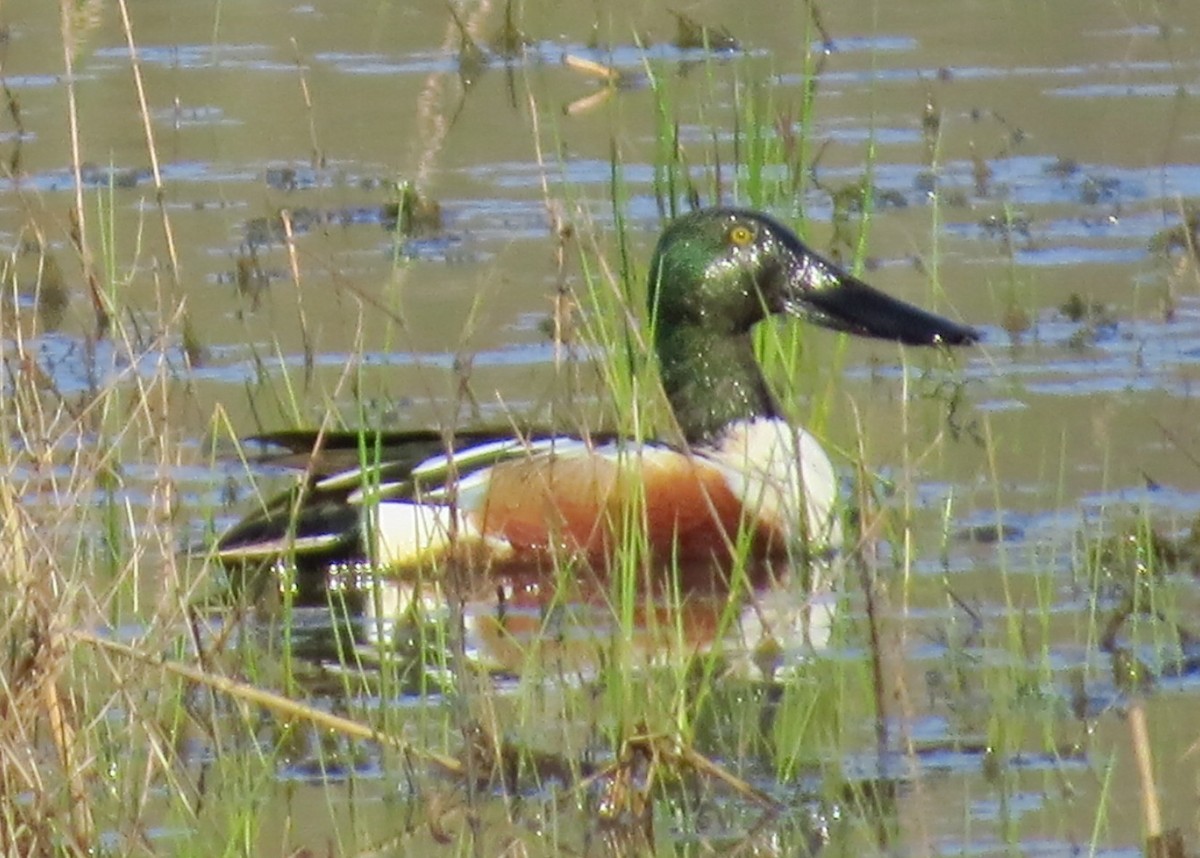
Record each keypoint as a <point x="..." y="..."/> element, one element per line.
<point x="740" y="236"/>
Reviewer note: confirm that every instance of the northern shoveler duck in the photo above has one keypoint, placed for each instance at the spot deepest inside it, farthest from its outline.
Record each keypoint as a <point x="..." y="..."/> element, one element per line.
<point x="741" y="478"/>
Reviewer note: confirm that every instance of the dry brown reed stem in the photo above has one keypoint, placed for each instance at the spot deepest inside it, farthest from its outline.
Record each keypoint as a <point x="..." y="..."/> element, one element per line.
<point x="562" y="303"/>
<point x="280" y="705"/>
<point x="893" y="702"/>
<point x="294" y="266"/>
<point x="148" y="131"/>
<point x="32" y="687"/>
<point x="318" y="157"/>
<point x="78" y="221"/>
<point x="592" y="68"/>
<point x="589" y="102"/>
<point x="1140" y="740"/>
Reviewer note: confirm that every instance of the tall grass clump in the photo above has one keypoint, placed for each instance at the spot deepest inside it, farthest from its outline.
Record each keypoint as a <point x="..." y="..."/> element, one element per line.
<point x="110" y="683"/>
<point x="90" y="509"/>
<point x="782" y="726"/>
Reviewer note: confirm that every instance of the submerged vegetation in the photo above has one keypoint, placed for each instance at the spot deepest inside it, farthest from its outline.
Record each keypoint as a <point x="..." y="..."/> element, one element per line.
<point x="1019" y="575"/>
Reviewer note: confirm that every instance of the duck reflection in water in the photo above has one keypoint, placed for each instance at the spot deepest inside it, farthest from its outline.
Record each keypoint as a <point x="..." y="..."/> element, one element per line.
<point x="764" y="624"/>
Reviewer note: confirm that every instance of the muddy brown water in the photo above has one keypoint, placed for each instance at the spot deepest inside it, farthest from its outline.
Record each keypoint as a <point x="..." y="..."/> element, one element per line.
<point x="1068" y="140"/>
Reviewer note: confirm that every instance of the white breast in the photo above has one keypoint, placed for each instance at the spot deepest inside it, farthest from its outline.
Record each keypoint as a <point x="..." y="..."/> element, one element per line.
<point x="782" y="472"/>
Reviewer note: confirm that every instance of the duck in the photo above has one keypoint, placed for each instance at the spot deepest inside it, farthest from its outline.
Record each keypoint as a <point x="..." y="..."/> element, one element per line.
<point x="737" y="480"/>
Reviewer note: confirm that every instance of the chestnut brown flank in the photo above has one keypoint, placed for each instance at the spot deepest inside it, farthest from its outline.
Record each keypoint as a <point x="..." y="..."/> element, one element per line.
<point x="578" y="504"/>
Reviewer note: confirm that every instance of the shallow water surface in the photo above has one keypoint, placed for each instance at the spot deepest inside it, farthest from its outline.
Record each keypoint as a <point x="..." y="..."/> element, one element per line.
<point x="1023" y="166"/>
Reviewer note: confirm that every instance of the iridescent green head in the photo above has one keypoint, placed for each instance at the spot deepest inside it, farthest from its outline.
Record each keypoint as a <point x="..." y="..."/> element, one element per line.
<point x="718" y="272"/>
